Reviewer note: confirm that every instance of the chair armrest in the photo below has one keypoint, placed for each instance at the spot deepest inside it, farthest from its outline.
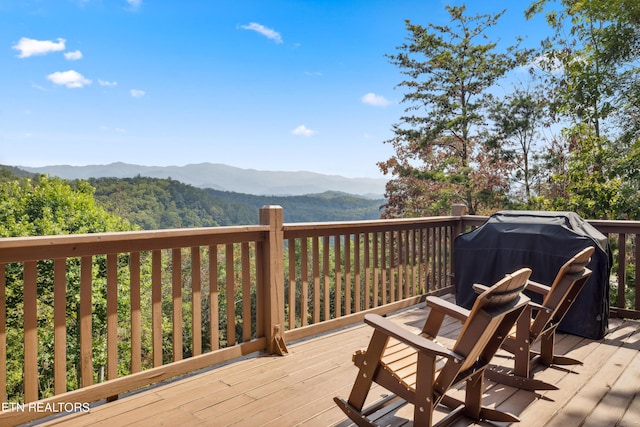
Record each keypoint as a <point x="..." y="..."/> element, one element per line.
<point x="536" y="287"/>
<point x="540" y="307"/>
<point x="448" y="308"/>
<point x="416" y="341"/>
<point x="479" y="288"/>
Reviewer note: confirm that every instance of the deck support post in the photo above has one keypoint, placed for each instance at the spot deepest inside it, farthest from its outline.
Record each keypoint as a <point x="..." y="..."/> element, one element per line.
<point x="272" y="298"/>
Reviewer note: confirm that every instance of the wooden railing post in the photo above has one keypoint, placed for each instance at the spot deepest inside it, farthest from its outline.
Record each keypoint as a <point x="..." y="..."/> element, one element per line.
<point x="273" y="277"/>
<point x="458" y="209"/>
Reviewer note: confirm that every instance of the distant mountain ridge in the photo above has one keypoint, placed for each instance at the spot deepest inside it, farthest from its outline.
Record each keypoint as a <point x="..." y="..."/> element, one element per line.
<point x="226" y="178"/>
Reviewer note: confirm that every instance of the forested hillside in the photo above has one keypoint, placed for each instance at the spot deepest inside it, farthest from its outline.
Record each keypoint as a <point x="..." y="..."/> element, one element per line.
<point x="327" y="206"/>
<point x="154" y="203"/>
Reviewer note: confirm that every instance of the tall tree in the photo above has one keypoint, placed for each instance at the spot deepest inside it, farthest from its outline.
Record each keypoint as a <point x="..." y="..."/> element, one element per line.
<point x="592" y="72"/>
<point x="440" y="156"/>
<point x="515" y="133"/>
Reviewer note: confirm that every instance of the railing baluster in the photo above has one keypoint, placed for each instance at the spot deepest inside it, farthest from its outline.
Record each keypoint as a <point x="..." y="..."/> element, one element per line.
<point x="347" y="274"/>
<point x="30" y="332"/>
<point x="246" y="293"/>
<point x="304" y="273"/>
<point x="376" y="268"/>
<point x="637" y="272"/>
<point x="383" y="267"/>
<point x="622" y="254"/>
<point x="136" y="315"/>
<point x="396" y="259"/>
<point x="338" y="276"/>
<point x="86" y="306"/>
<point x="196" y="302"/>
<point x="432" y="258"/>
<point x="316" y="279"/>
<point x="408" y="263"/>
<point x="367" y="270"/>
<point x="422" y="277"/>
<point x="292" y="283"/>
<point x="231" y="296"/>
<point x="3" y="333"/>
<point x="112" y="316"/>
<point x="176" y="294"/>
<point x="357" y="277"/>
<point x="326" y="284"/>
<point x="214" y="307"/>
<point x="156" y="306"/>
<point x="59" y="325"/>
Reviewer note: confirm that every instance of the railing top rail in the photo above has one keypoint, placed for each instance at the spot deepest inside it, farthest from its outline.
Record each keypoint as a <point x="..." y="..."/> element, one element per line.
<point x="18" y="249"/>
<point x="616" y="226"/>
<point x="370" y="224"/>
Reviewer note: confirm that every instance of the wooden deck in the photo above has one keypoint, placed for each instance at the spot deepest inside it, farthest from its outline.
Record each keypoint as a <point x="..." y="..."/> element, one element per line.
<point x="297" y="389"/>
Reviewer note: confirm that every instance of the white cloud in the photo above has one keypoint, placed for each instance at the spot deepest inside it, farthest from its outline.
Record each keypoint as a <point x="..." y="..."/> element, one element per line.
<point x="35" y="86"/>
<point x="71" y="79"/>
<point x="261" y="29"/>
<point x="302" y="130"/>
<point x="375" y="100"/>
<point x="107" y="83"/>
<point x="134" y="4"/>
<point x="136" y="93"/>
<point x="111" y="130"/>
<point x="73" y="56"/>
<point x="30" y="47"/>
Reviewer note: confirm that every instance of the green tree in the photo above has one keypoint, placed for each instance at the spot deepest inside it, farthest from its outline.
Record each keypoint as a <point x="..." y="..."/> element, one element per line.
<point x="48" y="206"/>
<point x="590" y="66"/>
<point x="515" y="133"/>
<point x="440" y="156"/>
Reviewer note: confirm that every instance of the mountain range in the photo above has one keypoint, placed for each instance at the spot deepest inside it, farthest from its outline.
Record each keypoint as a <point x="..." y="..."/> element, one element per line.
<point x="226" y="178"/>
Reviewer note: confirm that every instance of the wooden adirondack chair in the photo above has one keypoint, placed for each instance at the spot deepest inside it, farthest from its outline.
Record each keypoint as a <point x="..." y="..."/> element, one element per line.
<point x="420" y="370"/>
<point x="539" y="323"/>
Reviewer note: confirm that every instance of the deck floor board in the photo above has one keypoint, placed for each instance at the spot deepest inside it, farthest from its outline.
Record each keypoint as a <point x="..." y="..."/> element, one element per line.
<point x="298" y="389"/>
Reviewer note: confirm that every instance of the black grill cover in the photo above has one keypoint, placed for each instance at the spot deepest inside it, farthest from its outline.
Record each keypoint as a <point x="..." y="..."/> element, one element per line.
<point x="542" y="241"/>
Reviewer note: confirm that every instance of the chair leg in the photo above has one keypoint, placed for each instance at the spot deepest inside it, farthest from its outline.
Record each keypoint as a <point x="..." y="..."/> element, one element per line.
<point x="354" y="414"/>
<point x="364" y="380"/>
<point x="458" y="409"/>
<point x="547" y="346"/>
<point x="522" y="345"/>
<point x="423" y="401"/>
<point x="473" y="395"/>
<point x="547" y="351"/>
<point x="499" y="375"/>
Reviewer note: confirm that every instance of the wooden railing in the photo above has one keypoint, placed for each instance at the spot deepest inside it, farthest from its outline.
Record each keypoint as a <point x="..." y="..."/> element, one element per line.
<point x="338" y="271"/>
<point x="88" y="317"/>
<point x="625" y="247"/>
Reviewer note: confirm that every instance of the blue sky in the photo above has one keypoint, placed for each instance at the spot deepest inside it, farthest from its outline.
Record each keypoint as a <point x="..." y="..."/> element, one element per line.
<point x="268" y="85"/>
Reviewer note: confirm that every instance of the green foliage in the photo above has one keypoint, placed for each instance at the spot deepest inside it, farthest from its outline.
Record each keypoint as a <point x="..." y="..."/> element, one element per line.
<point x="50" y="206"/>
<point x="590" y="66"/>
